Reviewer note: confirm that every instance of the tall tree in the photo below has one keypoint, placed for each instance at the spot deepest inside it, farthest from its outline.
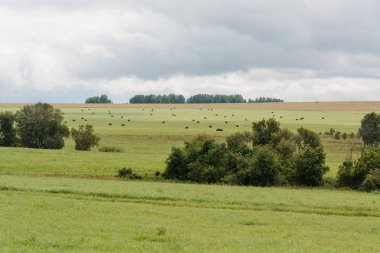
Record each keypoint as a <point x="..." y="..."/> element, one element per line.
<point x="370" y="128"/>
<point x="7" y="129"/>
<point x="40" y="126"/>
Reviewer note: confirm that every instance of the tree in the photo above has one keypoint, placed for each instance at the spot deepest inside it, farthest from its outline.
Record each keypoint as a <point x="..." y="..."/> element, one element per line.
<point x="85" y="138"/>
<point x="370" y="128"/>
<point x="40" y="126"/>
<point x="103" y="99"/>
<point x="264" y="130"/>
<point x="310" y="167"/>
<point x="354" y="173"/>
<point x="262" y="169"/>
<point x="7" y="129"/>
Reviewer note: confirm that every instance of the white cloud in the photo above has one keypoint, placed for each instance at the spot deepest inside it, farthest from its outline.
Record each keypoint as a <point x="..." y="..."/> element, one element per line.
<point x="296" y="50"/>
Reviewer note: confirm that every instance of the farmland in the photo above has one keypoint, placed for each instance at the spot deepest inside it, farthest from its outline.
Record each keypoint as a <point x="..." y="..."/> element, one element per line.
<point x="67" y="200"/>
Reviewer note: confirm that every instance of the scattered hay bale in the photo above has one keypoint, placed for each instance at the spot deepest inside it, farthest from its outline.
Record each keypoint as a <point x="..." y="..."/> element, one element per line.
<point x="197" y="121"/>
<point x="122" y="124"/>
<point x="237" y="125"/>
<point x="226" y="122"/>
<point x="73" y="119"/>
<point x="110" y="124"/>
<point x="163" y="122"/>
<point x="209" y="126"/>
<point x="186" y="127"/>
<point x="129" y="120"/>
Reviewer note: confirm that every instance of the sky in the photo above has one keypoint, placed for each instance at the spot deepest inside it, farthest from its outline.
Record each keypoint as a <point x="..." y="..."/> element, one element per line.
<point x="297" y="50"/>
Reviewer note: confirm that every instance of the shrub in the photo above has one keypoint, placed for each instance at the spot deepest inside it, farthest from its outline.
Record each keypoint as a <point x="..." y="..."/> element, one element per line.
<point x="84" y="137"/>
<point x="344" y="176"/>
<point x="111" y="149"/>
<point x="310" y="167"/>
<point x="7" y="129"/>
<point x="128" y="173"/>
<point x="371" y="181"/>
<point x="262" y="169"/>
<point x="353" y="173"/>
<point x="201" y="160"/>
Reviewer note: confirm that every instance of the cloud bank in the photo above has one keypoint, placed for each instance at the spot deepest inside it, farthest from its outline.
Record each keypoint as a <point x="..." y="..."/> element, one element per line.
<point x="298" y="50"/>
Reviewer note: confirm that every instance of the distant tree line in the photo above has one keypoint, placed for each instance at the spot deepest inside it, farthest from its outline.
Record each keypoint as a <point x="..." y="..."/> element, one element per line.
<point x="158" y="99"/>
<point x="197" y="99"/>
<point x="103" y="99"/>
<point x="267" y="156"/>
<point x="265" y="100"/>
<point x="41" y="126"/>
<point x="207" y="98"/>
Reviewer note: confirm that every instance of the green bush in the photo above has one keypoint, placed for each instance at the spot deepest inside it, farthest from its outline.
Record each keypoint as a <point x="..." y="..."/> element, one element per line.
<point x="128" y="173"/>
<point x="310" y="167"/>
<point x="371" y="181"/>
<point x="84" y="137"/>
<point x="262" y="169"/>
<point x="268" y="156"/>
<point x="111" y="149"/>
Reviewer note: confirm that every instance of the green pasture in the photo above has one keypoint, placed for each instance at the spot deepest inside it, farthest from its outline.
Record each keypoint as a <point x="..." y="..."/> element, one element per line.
<point x="49" y="214"/>
<point x="147" y="141"/>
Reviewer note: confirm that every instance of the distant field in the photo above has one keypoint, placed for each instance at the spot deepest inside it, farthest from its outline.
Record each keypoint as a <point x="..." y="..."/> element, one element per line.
<point x="76" y="215"/>
<point x="147" y="140"/>
<point x="59" y="214"/>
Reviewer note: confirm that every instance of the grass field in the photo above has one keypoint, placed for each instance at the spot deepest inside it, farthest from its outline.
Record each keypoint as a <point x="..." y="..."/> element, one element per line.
<point x="147" y="141"/>
<point x="75" y="215"/>
<point x="43" y="210"/>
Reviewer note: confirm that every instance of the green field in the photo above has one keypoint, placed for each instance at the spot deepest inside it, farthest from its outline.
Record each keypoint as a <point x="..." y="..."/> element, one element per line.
<point x="72" y="201"/>
<point x="147" y="141"/>
<point x="76" y="215"/>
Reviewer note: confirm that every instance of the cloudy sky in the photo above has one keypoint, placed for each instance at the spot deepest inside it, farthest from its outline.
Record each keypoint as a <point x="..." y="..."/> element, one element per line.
<point x="298" y="50"/>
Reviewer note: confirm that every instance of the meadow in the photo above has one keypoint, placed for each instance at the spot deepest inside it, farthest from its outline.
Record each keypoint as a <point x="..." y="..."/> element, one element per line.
<point x="72" y="201"/>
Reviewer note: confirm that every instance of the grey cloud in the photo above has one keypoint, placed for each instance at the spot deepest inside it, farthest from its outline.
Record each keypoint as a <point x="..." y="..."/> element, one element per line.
<point x="76" y="45"/>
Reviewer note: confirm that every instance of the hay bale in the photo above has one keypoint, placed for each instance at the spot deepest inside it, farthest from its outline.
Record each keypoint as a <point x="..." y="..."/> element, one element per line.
<point x="219" y="129"/>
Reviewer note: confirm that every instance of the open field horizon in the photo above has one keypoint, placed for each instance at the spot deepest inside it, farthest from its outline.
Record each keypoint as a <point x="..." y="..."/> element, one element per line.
<point x="312" y="106"/>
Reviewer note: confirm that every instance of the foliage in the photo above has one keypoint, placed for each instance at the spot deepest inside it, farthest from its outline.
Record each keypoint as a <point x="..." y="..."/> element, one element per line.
<point x="371" y="181"/>
<point x="207" y="98"/>
<point x="275" y="157"/>
<point x="310" y="166"/>
<point x="197" y="99"/>
<point x="111" y="149"/>
<point x="353" y="174"/>
<point x="128" y="173"/>
<point x="264" y="130"/>
<point x="261" y="169"/>
<point x="103" y="99"/>
<point x="40" y="126"/>
<point x="158" y="99"/>
<point x="370" y="128"/>
<point x="84" y="137"/>
<point x="265" y="100"/>
<point x="7" y="129"/>
<point x="200" y="160"/>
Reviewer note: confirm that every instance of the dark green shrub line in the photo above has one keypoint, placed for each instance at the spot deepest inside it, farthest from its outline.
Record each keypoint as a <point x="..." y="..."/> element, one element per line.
<point x="111" y="149"/>
<point x="266" y="156"/>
